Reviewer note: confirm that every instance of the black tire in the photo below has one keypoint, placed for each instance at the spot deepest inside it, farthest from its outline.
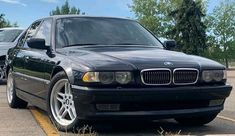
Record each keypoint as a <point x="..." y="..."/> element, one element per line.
<point x="3" y="82"/>
<point x="196" y="120"/>
<point x="2" y="78"/>
<point x="72" y="126"/>
<point x="15" y="102"/>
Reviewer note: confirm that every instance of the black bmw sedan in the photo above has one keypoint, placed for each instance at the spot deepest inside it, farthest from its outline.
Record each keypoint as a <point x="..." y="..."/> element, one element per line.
<point x="98" y="68"/>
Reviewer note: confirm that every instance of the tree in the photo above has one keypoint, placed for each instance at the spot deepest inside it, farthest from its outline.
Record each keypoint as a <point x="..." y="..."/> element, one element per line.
<point x="154" y="15"/>
<point x="163" y="18"/>
<point x="189" y="30"/>
<point x="65" y="9"/>
<point x="221" y="24"/>
<point x="5" y="23"/>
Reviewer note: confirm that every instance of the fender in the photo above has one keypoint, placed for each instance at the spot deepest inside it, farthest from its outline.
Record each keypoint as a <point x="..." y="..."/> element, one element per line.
<point x="68" y="67"/>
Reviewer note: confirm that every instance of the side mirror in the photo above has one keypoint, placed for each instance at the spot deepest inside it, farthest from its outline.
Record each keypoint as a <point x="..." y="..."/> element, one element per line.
<point x="169" y="44"/>
<point x="37" y="43"/>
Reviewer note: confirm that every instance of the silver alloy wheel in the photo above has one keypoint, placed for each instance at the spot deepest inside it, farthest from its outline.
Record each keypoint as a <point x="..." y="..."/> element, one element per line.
<point x="62" y="104"/>
<point x="10" y="87"/>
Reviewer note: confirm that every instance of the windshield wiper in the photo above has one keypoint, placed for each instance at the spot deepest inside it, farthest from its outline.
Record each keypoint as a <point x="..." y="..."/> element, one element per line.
<point x="136" y="44"/>
<point x="85" y="44"/>
<point x="127" y="44"/>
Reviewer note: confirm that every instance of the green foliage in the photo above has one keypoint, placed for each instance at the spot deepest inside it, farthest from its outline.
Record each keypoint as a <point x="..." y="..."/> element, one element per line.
<point x="189" y="30"/>
<point x="6" y="23"/>
<point x="154" y="15"/>
<point x="184" y="21"/>
<point x="167" y="18"/>
<point x="221" y="24"/>
<point x="65" y="9"/>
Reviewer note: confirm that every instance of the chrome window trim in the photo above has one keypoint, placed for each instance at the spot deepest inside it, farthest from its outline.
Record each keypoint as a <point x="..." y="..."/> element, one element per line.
<point x="185" y="70"/>
<point x="155" y="69"/>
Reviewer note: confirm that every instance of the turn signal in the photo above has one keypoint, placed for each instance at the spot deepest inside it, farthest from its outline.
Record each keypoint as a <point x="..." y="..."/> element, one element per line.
<point x="91" y="77"/>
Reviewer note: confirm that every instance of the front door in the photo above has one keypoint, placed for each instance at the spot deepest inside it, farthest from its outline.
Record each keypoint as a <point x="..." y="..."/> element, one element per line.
<point x="35" y="61"/>
<point x="20" y="58"/>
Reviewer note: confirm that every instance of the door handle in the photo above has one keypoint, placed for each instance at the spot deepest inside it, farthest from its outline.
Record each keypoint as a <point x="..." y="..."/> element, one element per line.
<point x="27" y="59"/>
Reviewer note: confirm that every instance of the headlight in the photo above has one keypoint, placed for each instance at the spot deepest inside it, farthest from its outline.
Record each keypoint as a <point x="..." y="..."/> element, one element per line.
<point x="207" y="76"/>
<point x="106" y="77"/>
<point x="103" y="77"/>
<point x="216" y="75"/>
<point x="123" y="77"/>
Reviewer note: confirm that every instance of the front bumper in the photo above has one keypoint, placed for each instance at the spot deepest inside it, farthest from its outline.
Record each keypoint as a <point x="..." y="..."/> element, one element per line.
<point x="148" y="103"/>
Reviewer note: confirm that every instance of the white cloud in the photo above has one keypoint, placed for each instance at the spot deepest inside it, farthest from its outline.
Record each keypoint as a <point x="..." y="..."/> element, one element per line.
<point x="14" y="2"/>
<point x="50" y="1"/>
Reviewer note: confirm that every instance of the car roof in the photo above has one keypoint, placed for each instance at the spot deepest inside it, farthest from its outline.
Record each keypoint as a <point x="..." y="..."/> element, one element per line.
<point x="84" y="16"/>
<point x="11" y="28"/>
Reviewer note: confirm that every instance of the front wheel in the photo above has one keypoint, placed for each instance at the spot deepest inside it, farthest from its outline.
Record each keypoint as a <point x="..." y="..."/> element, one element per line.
<point x="196" y="120"/>
<point x="61" y="106"/>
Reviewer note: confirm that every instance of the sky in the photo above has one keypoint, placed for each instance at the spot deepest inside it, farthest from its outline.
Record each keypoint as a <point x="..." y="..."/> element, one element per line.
<point x="24" y="12"/>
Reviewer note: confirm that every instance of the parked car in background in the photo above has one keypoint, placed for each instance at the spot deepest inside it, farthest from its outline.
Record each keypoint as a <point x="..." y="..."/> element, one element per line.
<point x="99" y="68"/>
<point x="8" y="39"/>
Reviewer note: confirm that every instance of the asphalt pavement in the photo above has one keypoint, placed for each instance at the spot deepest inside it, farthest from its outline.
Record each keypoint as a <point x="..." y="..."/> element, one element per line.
<point x="16" y="122"/>
<point x="21" y="122"/>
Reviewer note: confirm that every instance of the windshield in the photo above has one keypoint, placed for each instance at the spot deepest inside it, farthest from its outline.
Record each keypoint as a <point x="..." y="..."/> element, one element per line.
<point x="9" y="35"/>
<point x="102" y="31"/>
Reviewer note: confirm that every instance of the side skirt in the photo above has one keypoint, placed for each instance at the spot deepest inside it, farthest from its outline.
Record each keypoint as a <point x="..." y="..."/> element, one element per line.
<point x="36" y="101"/>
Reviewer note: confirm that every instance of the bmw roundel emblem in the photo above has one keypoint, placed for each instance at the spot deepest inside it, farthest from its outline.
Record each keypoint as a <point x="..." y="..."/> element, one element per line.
<point x="168" y="63"/>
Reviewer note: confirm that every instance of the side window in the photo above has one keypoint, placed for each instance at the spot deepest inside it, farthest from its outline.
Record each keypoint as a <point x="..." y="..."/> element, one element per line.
<point x="29" y="34"/>
<point x="21" y="40"/>
<point x="33" y="29"/>
<point x="44" y="31"/>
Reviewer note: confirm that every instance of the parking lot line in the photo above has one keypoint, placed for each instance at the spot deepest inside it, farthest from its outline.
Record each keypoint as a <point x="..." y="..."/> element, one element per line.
<point x="226" y="118"/>
<point x="44" y="123"/>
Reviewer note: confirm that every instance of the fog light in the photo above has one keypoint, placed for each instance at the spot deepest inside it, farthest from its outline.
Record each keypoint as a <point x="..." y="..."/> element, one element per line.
<point x="216" y="102"/>
<point x="108" y="107"/>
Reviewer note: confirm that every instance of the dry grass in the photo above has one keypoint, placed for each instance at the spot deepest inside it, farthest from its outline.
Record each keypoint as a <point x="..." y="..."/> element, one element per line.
<point x="162" y="132"/>
<point x="83" y="131"/>
<point x="86" y="131"/>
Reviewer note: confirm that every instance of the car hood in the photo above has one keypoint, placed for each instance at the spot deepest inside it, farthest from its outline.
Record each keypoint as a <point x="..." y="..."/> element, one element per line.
<point x="139" y="58"/>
